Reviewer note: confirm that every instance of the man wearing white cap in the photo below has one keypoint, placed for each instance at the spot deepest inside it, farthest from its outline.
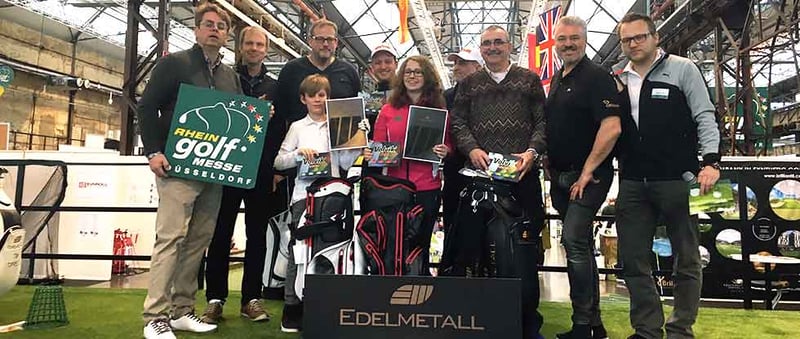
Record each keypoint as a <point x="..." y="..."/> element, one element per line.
<point x="465" y="63"/>
<point x="383" y="65"/>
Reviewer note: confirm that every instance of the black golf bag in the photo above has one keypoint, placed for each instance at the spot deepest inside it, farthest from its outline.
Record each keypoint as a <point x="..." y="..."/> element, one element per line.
<point x="325" y="232"/>
<point x="490" y="226"/>
<point x="388" y="233"/>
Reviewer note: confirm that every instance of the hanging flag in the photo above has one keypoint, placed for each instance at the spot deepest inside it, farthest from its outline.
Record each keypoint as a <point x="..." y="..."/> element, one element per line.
<point x="546" y="61"/>
<point x="405" y="36"/>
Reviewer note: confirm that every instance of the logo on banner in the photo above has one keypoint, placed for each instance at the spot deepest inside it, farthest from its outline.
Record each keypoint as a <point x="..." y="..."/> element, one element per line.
<point x="217" y="137"/>
<point x="411" y="294"/>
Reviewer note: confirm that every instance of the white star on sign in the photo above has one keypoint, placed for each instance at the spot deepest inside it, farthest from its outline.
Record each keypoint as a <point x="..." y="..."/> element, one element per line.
<point x="243" y="105"/>
<point x="232" y="103"/>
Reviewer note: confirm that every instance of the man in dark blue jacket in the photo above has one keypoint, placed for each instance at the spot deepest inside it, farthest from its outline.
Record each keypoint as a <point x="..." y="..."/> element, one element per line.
<point x="261" y="202"/>
<point x="670" y="120"/>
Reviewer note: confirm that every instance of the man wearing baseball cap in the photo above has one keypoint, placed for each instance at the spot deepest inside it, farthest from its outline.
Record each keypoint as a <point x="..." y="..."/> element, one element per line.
<point x="465" y="62"/>
<point x="383" y="64"/>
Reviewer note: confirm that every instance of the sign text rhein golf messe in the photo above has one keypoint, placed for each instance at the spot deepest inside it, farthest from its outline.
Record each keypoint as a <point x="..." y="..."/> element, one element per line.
<point x="217" y="137"/>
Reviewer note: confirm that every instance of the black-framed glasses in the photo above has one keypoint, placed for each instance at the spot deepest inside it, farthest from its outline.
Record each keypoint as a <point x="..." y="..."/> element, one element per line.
<point x="495" y="42"/>
<point x="324" y="39"/>
<point x="413" y="72"/>
<point x="218" y="25"/>
<point x="638" y="38"/>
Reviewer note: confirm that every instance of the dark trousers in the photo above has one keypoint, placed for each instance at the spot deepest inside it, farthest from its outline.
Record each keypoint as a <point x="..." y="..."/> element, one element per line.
<point x="260" y="205"/>
<point x="528" y="192"/>
<point x="578" y="238"/>
<point x="638" y="205"/>
<point x="430" y="214"/>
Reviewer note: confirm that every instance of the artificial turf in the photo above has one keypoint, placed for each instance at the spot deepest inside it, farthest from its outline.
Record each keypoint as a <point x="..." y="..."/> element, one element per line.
<point x="115" y="313"/>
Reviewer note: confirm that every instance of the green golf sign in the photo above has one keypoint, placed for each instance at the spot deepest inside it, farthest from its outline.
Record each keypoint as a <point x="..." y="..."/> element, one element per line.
<point x="217" y="137"/>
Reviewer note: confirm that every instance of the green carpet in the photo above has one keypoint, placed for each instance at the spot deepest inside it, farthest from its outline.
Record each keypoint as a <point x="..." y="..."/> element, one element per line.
<point x="115" y="313"/>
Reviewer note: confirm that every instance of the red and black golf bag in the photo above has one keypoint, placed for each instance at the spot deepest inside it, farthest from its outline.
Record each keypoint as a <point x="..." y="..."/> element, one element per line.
<point x="389" y="232"/>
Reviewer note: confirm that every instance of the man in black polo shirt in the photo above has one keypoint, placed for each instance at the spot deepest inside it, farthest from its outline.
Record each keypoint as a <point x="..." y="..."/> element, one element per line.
<point x="582" y="114"/>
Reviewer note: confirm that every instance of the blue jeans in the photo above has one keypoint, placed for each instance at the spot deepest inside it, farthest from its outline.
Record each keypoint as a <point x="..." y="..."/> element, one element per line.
<point x="578" y="240"/>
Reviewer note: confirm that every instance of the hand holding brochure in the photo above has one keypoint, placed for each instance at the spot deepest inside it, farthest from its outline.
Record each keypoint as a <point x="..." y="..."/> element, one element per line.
<point x="320" y="166"/>
<point x="719" y="199"/>
<point x="503" y="167"/>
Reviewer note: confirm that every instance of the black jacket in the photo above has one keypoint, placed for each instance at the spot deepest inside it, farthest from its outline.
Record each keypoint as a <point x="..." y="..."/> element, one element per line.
<point x="257" y="86"/>
<point x="161" y="93"/>
<point x="676" y="120"/>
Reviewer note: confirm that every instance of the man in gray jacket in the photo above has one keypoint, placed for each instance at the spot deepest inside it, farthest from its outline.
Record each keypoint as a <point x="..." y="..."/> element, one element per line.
<point x="187" y="209"/>
<point x="670" y="119"/>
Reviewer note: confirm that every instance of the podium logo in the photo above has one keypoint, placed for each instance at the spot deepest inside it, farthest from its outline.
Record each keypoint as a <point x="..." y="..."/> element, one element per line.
<point x="411" y="294"/>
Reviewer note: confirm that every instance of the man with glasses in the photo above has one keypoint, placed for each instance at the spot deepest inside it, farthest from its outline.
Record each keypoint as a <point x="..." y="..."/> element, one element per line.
<point x="187" y="209"/>
<point x="342" y="75"/>
<point x="582" y="113"/>
<point x="261" y="202"/>
<point x="500" y="109"/>
<point x="344" y="83"/>
<point x="671" y="118"/>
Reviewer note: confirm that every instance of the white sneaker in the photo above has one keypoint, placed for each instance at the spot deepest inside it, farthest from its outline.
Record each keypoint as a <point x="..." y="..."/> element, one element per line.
<point x="158" y="329"/>
<point x="191" y="323"/>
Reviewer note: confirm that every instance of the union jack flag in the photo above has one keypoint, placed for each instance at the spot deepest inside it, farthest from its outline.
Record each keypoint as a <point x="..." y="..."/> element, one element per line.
<point x="547" y="62"/>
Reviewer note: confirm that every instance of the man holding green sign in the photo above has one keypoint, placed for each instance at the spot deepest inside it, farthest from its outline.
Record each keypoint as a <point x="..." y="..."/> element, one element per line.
<point x="207" y="145"/>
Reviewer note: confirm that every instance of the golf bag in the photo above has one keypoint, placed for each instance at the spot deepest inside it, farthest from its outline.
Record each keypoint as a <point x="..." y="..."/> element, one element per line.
<point x="325" y="232"/>
<point x="490" y="226"/>
<point x="12" y="237"/>
<point x="388" y="233"/>
<point x="278" y="237"/>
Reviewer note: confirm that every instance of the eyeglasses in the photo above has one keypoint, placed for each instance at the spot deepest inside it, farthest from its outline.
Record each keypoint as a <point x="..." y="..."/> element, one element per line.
<point x="414" y="72"/>
<point x="211" y="25"/>
<point x="638" y="38"/>
<point x="324" y="39"/>
<point x="496" y="42"/>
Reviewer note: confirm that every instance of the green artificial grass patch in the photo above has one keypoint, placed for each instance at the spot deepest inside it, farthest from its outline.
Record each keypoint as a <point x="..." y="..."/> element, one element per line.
<point x="116" y="313"/>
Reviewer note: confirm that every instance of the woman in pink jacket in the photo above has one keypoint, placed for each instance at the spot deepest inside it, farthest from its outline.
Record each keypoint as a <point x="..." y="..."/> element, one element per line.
<point x="418" y="84"/>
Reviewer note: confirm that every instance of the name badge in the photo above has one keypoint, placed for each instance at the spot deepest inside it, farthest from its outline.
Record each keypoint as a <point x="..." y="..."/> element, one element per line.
<point x="660" y="93"/>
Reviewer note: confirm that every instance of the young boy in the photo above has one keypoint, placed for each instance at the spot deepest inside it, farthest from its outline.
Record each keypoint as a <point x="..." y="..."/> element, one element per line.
<point x="306" y="137"/>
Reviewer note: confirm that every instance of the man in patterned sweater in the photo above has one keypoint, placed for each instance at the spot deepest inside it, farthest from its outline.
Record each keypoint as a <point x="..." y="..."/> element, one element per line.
<point x="501" y="109"/>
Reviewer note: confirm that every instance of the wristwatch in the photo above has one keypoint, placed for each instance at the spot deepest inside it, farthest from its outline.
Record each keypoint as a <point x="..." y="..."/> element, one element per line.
<point x="152" y="155"/>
